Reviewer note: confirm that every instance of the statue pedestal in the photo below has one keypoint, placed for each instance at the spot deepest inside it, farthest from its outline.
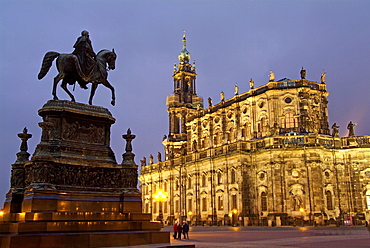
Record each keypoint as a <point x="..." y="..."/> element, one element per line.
<point x="74" y="192"/>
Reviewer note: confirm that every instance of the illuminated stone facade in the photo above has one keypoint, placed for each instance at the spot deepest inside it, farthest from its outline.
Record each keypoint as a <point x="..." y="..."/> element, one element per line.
<point x="262" y="157"/>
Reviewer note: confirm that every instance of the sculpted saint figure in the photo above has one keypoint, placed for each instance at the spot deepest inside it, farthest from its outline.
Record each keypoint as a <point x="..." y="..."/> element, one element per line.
<point x="323" y="77"/>
<point x="236" y="89"/>
<point x="251" y="84"/>
<point x="272" y="76"/>
<point x="159" y="156"/>
<point x="222" y="96"/>
<point x="151" y="159"/>
<point x="335" y="130"/>
<point x="303" y="73"/>
<point x="350" y="127"/>
<point x="143" y="162"/>
<point x="209" y="102"/>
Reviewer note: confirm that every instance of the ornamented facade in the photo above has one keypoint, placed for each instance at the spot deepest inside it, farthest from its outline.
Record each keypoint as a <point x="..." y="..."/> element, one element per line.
<point x="262" y="157"/>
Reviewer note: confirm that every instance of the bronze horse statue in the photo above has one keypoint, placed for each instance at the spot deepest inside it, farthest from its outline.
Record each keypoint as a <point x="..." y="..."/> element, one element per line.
<point x="70" y="71"/>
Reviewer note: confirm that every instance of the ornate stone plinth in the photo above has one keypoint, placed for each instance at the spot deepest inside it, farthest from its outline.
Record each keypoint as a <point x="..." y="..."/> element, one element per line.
<point x="72" y="193"/>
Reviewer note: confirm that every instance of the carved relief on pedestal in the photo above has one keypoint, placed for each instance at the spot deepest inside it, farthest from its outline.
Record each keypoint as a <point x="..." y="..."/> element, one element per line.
<point x="81" y="176"/>
<point x="80" y="132"/>
<point x="17" y="178"/>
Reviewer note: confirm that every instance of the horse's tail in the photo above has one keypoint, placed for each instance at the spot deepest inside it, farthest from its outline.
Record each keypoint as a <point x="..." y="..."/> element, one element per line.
<point x="46" y="63"/>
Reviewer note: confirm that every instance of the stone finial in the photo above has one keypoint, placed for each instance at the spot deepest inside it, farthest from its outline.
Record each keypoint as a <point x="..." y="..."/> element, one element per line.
<point x="23" y="155"/>
<point x="128" y="156"/>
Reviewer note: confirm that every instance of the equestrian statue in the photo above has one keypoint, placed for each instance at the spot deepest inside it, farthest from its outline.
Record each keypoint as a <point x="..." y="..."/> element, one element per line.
<point x="82" y="66"/>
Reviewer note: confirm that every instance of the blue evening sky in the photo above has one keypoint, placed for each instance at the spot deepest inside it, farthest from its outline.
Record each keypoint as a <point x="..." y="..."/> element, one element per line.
<point x="231" y="41"/>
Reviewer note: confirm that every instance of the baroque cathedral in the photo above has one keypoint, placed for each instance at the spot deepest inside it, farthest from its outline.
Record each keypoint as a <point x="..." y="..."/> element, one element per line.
<point x="263" y="157"/>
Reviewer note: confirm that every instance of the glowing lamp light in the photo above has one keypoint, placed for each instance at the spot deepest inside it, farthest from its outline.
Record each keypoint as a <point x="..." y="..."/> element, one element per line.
<point x="190" y="213"/>
<point x="301" y="210"/>
<point x="230" y="215"/>
<point x="160" y="196"/>
<point x="235" y="211"/>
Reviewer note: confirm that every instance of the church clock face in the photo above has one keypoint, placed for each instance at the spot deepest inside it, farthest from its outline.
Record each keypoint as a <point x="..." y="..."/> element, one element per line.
<point x="295" y="173"/>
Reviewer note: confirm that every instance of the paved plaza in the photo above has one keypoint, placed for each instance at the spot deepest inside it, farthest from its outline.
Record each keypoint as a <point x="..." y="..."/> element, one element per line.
<point x="217" y="237"/>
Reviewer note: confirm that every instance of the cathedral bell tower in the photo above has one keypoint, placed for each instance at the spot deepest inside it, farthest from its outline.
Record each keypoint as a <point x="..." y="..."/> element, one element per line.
<point x="180" y="103"/>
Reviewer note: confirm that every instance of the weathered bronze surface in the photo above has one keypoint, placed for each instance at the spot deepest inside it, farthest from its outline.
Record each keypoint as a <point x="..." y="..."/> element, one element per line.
<point x="82" y="66"/>
<point x="73" y="189"/>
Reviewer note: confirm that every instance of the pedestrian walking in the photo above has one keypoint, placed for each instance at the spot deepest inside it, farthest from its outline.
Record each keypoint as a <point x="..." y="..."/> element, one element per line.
<point x="185" y="230"/>
<point x="175" y="231"/>
<point x="179" y="231"/>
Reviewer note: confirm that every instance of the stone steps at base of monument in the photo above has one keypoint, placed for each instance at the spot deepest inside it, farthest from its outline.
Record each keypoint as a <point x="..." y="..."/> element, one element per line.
<point x="161" y="246"/>
<point x="77" y="226"/>
<point x="84" y="240"/>
<point x="75" y="216"/>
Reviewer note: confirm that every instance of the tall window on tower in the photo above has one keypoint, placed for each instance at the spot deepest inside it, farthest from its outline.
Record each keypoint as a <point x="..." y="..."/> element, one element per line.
<point x="263" y="201"/>
<point x="233" y="202"/>
<point x="329" y="200"/>
<point x="289" y="121"/>
<point x="233" y="176"/>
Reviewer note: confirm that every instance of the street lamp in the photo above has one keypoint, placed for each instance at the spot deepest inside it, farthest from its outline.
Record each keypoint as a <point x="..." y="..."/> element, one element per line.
<point x="234" y="213"/>
<point x="301" y="210"/>
<point x="160" y="196"/>
<point x="190" y="213"/>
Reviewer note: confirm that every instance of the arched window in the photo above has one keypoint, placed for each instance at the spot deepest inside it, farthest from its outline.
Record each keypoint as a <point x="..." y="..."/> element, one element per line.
<point x="233" y="176"/>
<point x="204" y="180"/>
<point x="220" y="202"/>
<point x="219" y="177"/>
<point x="289" y="120"/>
<point x="329" y="200"/>
<point x="368" y="199"/>
<point x="189" y="182"/>
<point x="204" y="204"/>
<point x="263" y="201"/>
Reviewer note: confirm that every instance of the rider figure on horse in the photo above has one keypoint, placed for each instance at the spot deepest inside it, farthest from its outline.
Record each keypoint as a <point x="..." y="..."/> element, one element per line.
<point x="86" y="56"/>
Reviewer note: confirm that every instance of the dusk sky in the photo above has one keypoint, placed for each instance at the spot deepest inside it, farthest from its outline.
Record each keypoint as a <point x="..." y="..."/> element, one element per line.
<point x="231" y="41"/>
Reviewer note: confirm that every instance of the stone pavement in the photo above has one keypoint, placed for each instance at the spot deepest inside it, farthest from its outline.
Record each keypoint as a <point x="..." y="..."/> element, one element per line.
<point x="274" y="237"/>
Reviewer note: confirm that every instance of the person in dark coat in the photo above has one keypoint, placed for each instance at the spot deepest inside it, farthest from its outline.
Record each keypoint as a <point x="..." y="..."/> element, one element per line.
<point x="185" y="230"/>
<point x="179" y="231"/>
<point x="175" y="231"/>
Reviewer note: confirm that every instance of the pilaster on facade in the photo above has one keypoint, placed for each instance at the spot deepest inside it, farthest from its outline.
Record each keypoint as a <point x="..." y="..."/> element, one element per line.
<point x="262" y="157"/>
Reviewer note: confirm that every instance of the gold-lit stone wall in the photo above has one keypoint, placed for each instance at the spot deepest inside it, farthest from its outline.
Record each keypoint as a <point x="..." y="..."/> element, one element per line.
<point x="263" y="157"/>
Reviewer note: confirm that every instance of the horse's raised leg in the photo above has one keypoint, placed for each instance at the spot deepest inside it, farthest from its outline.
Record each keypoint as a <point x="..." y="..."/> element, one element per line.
<point x="56" y="80"/>
<point x="108" y="85"/>
<point x="64" y="87"/>
<point x="92" y="93"/>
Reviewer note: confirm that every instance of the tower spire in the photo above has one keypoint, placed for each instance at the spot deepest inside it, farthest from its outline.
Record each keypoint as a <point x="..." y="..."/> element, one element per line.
<point x="184" y="56"/>
<point x="184" y="40"/>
